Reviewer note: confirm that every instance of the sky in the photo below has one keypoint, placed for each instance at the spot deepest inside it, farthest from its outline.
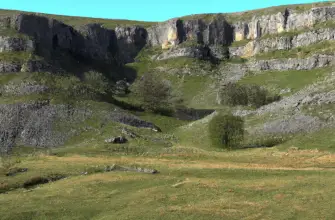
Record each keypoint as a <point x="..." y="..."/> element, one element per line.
<point x="144" y="10"/>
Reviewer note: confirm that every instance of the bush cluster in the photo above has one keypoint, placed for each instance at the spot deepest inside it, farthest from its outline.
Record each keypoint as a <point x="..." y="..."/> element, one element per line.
<point x="233" y="94"/>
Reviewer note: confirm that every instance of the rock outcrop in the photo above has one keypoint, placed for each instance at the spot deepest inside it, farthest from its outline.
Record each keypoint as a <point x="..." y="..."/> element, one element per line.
<point x="29" y="65"/>
<point x="42" y="124"/>
<point x="234" y="72"/>
<point x="287" y="20"/>
<point x="175" y="31"/>
<point x="121" y="45"/>
<point x="11" y="44"/>
<point x="283" y="43"/>
<point x="130" y="41"/>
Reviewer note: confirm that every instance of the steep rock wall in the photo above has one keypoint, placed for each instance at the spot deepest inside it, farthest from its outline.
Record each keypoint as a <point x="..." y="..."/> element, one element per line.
<point x="283" y="43"/>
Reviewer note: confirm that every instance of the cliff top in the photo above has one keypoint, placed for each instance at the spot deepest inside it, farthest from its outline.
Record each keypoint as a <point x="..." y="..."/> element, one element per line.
<point x="247" y="15"/>
<point x="112" y="23"/>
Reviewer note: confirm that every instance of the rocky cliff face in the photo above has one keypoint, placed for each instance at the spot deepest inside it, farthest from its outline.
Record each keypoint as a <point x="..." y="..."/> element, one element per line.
<point x="46" y="36"/>
<point x="123" y="44"/>
<point x="283" y="43"/>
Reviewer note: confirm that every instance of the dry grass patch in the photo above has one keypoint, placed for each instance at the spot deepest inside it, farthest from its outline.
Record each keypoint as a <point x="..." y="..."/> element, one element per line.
<point x="223" y="207"/>
<point x="102" y="177"/>
<point x="266" y="184"/>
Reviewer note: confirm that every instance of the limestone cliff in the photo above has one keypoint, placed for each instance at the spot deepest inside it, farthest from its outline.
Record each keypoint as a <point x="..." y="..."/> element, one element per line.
<point x="123" y="44"/>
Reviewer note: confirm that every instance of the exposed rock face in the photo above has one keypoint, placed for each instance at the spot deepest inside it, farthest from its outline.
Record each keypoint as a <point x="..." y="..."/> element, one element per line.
<point x="283" y="43"/>
<point x="165" y="32"/>
<point x="286" y="20"/>
<point x="234" y="72"/>
<point x="194" y="52"/>
<point x="42" y="124"/>
<point x="15" y="44"/>
<point x="29" y="124"/>
<point x="309" y="18"/>
<point x="9" y="67"/>
<point x="49" y="36"/>
<point x="218" y="31"/>
<point x="25" y="66"/>
<point x="5" y="22"/>
<point x="294" y="124"/>
<point x="122" y="45"/>
<point x="130" y="41"/>
<point x="316" y="61"/>
<point x="23" y="88"/>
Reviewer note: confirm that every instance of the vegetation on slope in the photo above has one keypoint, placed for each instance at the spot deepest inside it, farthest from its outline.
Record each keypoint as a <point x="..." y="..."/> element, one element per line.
<point x="79" y="21"/>
<point x="293" y="80"/>
<point x="196" y="180"/>
<point x="247" y="15"/>
<point x="323" y="47"/>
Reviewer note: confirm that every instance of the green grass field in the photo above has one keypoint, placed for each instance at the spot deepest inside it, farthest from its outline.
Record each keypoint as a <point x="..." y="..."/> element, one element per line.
<point x="253" y="184"/>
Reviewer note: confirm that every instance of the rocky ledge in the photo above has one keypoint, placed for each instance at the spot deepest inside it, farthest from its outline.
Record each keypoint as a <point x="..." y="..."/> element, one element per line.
<point x="283" y="43"/>
<point x="234" y="72"/>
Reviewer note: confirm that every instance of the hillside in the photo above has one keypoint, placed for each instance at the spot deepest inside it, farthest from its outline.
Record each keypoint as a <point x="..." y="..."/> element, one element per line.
<point x="68" y="85"/>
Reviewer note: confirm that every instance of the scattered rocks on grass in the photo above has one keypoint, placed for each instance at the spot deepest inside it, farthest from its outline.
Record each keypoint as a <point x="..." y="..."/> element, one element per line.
<point x="14" y="171"/>
<point x="115" y="167"/>
<point x="116" y="140"/>
<point x="129" y="133"/>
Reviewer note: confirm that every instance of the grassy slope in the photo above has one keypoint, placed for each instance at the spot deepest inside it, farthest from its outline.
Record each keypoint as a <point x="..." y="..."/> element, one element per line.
<point x="236" y="185"/>
<point x="295" y="80"/>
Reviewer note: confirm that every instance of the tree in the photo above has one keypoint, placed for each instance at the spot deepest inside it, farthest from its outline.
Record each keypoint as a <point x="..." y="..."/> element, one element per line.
<point x="226" y="131"/>
<point x="155" y="93"/>
<point x="233" y="94"/>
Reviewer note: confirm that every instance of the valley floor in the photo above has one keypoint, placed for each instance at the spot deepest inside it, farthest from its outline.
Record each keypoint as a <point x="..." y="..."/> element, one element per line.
<point x="191" y="184"/>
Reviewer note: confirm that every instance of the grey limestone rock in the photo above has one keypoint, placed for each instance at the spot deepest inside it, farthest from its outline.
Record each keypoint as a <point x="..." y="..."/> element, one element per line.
<point x="10" y="44"/>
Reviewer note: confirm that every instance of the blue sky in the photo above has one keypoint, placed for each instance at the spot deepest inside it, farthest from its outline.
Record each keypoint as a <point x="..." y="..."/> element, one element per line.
<point x="145" y="10"/>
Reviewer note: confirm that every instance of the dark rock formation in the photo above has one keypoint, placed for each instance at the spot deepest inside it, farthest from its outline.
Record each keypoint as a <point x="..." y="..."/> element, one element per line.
<point x="14" y="171"/>
<point x="121" y="87"/>
<point x="10" y="44"/>
<point x="9" y="67"/>
<point x="130" y="41"/>
<point x="116" y="140"/>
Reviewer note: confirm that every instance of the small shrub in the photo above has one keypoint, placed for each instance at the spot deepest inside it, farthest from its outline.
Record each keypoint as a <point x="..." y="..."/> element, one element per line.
<point x="226" y="131"/>
<point x="264" y="141"/>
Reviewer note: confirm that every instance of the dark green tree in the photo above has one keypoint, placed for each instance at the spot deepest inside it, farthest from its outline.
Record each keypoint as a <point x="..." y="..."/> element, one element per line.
<point x="226" y="131"/>
<point x="154" y="92"/>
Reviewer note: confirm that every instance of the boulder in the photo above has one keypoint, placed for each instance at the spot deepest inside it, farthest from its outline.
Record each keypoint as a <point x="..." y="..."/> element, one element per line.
<point x="116" y="140"/>
<point x="121" y="87"/>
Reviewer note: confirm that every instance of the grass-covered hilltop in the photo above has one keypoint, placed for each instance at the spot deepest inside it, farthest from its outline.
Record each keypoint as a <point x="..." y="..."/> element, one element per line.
<point x="214" y="116"/>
